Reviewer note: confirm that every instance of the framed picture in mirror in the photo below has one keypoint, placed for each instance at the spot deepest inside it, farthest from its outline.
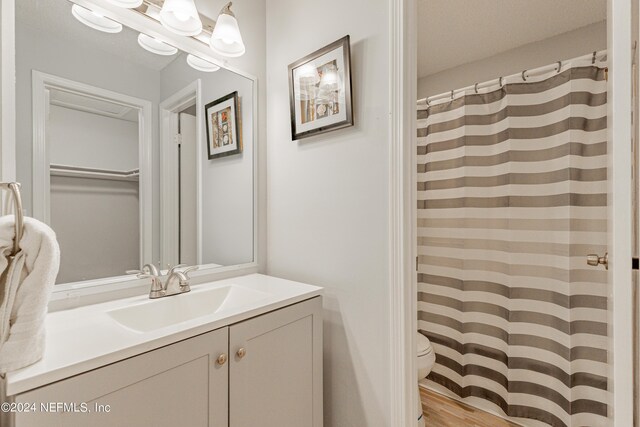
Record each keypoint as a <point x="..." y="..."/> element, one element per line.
<point x="320" y="90"/>
<point x="223" y="127"/>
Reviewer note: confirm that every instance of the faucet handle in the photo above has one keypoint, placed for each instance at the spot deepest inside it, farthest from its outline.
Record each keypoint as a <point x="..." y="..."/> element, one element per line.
<point x="183" y="277"/>
<point x="150" y="269"/>
<point x="174" y="268"/>
<point x="188" y="270"/>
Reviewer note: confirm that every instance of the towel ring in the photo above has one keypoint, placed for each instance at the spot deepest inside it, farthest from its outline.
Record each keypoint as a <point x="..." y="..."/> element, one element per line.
<point x="14" y="187"/>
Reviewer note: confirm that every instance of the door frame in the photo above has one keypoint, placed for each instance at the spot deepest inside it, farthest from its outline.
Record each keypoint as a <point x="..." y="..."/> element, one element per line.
<point x="402" y="216"/>
<point x="41" y="84"/>
<point x="402" y="225"/>
<point x="7" y="91"/>
<point x="170" y="108"/>
<point x="620" y="224"/>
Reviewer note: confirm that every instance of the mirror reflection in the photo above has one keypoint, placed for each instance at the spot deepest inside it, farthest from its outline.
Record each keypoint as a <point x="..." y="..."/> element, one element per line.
<point x="140" y="153"/>
<point x="93" y="167"/>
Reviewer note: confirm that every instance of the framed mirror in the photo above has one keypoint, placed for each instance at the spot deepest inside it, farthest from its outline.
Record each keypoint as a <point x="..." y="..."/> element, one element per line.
<point x="119" y="162"/>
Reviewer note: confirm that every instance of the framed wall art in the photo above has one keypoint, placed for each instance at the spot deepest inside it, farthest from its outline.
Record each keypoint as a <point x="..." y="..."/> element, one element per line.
<point x="224" y="137"/>
<point x="320" y="90"/>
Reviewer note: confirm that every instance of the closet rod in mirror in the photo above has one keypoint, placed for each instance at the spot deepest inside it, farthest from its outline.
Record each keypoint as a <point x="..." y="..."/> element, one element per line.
<point x="96" y="173"/>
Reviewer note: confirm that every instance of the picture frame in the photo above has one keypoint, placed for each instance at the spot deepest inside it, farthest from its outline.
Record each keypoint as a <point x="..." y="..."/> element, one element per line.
<point x="224" y="134"/>
<point x="320" y="90"/>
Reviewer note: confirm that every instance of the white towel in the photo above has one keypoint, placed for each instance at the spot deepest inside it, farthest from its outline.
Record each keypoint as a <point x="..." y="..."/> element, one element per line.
<point x="25" y="288"/>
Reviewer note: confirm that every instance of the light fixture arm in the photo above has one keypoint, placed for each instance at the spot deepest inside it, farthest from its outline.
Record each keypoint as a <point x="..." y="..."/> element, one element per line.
<point x="227" y="9"/>
<point x="151" y="8"/>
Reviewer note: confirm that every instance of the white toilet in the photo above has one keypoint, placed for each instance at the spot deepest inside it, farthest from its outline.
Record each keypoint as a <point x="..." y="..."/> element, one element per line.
<point x="426" y="359"/>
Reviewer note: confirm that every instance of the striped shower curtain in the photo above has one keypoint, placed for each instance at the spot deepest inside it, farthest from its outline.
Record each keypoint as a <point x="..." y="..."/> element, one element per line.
<point x="512" y="196"/>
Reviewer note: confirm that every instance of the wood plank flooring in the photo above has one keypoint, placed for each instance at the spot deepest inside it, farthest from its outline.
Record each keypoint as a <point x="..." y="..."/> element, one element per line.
<point x="441" y="411"/>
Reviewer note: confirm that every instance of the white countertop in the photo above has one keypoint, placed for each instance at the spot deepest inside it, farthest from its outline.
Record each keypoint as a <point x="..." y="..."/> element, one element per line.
<point x="86" y="338"/>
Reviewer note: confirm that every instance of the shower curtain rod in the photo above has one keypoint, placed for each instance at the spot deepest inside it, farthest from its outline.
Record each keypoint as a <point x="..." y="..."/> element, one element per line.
<point x="595" y="56"/>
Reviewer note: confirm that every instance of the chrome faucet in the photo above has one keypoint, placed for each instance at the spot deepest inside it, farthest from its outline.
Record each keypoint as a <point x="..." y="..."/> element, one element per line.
<point x="177" y="281"/>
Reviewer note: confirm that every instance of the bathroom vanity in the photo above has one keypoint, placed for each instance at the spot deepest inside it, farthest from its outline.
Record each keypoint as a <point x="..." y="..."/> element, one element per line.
<point x="125" y="166"/>
<point x="254" y="358"/>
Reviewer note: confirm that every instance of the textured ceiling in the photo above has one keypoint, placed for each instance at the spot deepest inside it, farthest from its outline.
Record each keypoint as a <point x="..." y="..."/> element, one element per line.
<point x="456" y="32"/>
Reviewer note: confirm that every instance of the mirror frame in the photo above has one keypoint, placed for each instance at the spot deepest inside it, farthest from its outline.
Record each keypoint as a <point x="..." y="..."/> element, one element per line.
<point x="99" y="290"/>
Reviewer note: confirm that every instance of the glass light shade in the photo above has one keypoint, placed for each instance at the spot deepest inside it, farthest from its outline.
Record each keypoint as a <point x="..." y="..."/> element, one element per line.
<point x="200" y="64"/>
<point x="129" y="4"/>
<point x="330" y="80"/>
<point x="181" y="17"/>
<point x="226" y="39"/>
<point x="95" y="20"/>
<point x="308" y="75"/>
<point x="156" y="46"/>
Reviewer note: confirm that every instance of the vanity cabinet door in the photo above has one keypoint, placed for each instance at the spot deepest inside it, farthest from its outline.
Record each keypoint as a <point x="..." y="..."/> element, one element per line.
<point x="275" y="370"/>
<point x="179" y="385"/>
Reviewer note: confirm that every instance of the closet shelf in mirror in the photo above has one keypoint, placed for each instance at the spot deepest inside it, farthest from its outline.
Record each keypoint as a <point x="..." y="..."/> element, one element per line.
<point x="93" y="173"/>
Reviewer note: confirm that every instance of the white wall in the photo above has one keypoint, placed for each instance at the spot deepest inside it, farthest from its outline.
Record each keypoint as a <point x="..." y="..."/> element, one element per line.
<point x="564" y="46"/>
<point x="78" y="138"/>
<point x="100" y="241"/>
<point x="328" y="201"/>
<point x="227" y="182"/>
<point x="37" y="49"/>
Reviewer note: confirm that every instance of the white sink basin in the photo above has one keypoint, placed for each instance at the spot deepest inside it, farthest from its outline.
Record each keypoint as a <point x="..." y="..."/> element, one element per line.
<point x="163" y="312"/>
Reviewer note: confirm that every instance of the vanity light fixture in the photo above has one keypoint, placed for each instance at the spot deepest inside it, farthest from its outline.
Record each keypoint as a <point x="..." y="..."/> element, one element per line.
<point x="95" y="20"/>
<point x="129" y="4"/>
<point x="200" y="64"/>
<point x="226" y="39"/>
<point x="181" y="17"/>
<point x="156" y="46"/>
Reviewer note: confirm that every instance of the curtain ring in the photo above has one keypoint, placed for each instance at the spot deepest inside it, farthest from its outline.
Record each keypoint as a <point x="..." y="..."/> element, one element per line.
<point x="593" y="58"/>
<point x="559" y="66"/>
<point x="427" y="101"/>
<point x="476" y="87"/>
<point x="524" y="77"/>
<point x="452" y="95"/>
<point x="500" y="81"/>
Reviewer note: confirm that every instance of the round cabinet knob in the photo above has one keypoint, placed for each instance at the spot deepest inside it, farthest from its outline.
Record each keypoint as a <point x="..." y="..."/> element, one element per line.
<point x="241" y="353"/>
<point x="222" y="359"/>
